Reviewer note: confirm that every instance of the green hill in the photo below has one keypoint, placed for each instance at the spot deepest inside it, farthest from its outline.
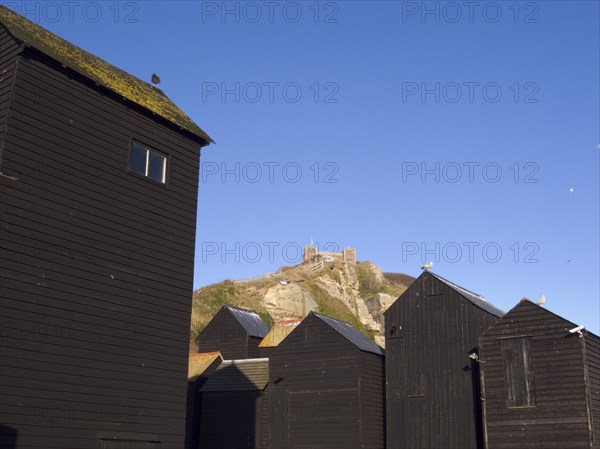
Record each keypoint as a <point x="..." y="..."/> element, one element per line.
<point x="334" y="290"/>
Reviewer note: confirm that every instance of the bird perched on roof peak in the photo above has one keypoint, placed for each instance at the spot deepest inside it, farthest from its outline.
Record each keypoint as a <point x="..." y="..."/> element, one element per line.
<point x="427" y="266"/>
<point x="155" y="79"/>
<point x="542" y="300"/>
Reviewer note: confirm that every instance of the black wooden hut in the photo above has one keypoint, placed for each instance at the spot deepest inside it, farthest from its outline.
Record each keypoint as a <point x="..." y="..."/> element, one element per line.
<point x="201" y="367"/>
<point x="234" y="413"/>
<point x="432" y="383"/>
<point x="99" y="184"/>
<point x="326" y="388"/>
<point x="235" y="332"/>
<point x="541" y="382"/>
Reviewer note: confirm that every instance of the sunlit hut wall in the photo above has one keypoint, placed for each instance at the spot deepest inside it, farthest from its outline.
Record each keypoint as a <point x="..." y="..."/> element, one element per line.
<point x="99" y="191"/>
<point x="326" y="388"/>
<point x="541" y="381"/>
<point x="234" y="332"/>
<point x="432" y="387"/>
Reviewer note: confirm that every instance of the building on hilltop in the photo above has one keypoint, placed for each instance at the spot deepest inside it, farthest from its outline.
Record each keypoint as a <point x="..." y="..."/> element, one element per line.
<point x="312" y="254"/>
<point x="99" y="188"/>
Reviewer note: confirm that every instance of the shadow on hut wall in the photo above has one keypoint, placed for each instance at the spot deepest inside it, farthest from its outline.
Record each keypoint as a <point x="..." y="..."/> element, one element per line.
<point x="192" y="415"/>
<point x="231" y="409"/>
<point x="477" y="409"/>
<point x="8" y="437"/>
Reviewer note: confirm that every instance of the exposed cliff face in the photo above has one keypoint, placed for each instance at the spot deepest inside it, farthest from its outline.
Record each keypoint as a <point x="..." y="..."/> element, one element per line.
<point x="357" y="294"/>
<point x="288" y="300"/>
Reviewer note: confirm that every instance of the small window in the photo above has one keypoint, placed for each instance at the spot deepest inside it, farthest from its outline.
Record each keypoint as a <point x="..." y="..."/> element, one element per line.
<point x="517" y="373"/>
<point x="147" y="162"/>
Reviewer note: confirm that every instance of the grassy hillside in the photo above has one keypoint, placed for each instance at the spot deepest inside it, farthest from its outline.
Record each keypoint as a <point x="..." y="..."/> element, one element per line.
<point x="208" y="300"/>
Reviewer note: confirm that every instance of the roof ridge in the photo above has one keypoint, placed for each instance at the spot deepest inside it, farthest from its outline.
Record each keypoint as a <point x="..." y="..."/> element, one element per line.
<point x="205" y="354"/>
<point x="250" y="320"/>
<point x="231" y="306"/>
<point x="98" y="70"/>
<point x="244" y="361"/>
<point x="474" y="298"/>
<point x="458" y="286"/>
<point x="364" y="340"/>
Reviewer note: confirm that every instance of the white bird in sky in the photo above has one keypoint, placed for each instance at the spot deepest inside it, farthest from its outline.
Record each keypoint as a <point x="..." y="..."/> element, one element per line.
<point x="571" y="191"/>
<point x="427" y="266"/>
<point x="542" y="300"/>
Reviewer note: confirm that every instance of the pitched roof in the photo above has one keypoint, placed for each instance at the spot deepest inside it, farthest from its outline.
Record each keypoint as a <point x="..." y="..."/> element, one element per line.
<point x="98" y="70"/>
<point x="526" y="302"/>
<point x="474" y="298"/>
<point x="199" y="363"/>
<point x="277" y="334"/>
<point x="239" y="375"/>
<point x="352" y="334"/>
<point x="250" y="321"/>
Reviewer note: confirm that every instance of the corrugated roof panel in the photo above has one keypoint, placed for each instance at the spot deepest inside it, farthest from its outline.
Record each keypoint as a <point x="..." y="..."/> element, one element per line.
<point x="352" y="334"/>
<point x="474" y="298"/>
<point x="199" y="363"/>
<point x="250" y="321"/>
<point x="239" y="375"/>
<point x="280" y="330"/>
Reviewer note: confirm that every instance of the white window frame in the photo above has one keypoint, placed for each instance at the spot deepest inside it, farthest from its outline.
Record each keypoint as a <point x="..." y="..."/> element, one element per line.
<point x="149" y="151"/>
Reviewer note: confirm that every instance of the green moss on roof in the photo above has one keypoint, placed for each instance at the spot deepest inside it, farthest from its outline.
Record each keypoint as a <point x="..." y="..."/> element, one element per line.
<point x="97" y="70"/>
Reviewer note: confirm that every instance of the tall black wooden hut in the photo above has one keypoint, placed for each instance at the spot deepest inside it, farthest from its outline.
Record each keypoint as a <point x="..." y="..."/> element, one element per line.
<point x="326" y="388"/>
<point x="432" y="383"/>
<point x="98" y="191"/>
<point x="235" y="332"/>
<point x="540" y="382"/>
<point x="234" y="411"/>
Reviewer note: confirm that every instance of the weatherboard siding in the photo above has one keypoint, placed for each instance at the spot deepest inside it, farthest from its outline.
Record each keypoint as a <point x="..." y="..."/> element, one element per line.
<point x="592" y="345"/>
<point x="254" y="352"/>
<point x="334" y="391"/>
<point x="194" y="406"/>
<point x="9" y="50"/>
<point x="372" y="401"/>
<point x="559" y="418"/>
<point x="431" y="383"/>
<point x="97" y="266"/>
<point x="231" y="419"/>
<point x="234" y="340"/>
<point x="226" y="335"/>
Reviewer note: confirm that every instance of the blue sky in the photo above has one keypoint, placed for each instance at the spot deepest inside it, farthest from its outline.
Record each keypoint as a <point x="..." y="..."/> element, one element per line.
<point x="412" y="131"/>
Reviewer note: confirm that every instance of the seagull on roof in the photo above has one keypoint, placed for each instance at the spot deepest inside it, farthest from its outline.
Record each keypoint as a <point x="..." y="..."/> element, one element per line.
<point x="427" y="266"/>
<point x="542" y="300"/>
<point x="155" y="79"/>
